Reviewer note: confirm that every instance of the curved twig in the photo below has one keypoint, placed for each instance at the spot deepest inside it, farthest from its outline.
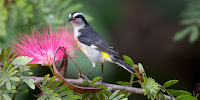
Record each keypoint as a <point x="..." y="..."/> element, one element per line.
<point x="63" y="49"/>
<point x="75" y="88"/>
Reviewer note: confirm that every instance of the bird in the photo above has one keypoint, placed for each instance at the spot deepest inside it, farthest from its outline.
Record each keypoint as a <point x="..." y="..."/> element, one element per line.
<point x="93" y="45"/>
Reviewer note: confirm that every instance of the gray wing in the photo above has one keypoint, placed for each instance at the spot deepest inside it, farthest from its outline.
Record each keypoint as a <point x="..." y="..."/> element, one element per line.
<point x="91" y="37"/>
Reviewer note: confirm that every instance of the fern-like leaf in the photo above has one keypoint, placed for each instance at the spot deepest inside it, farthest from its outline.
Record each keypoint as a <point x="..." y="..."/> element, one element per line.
<point x="12" y="75"/>
<point x="191" y="20"/>
<point x="7" y="56"/>
<point x="117" y="96"/>
<point x="55" y="90"/>
<point x="150" y="87"/>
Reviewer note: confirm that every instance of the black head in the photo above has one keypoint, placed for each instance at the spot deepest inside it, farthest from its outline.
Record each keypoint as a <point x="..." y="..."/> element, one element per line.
<point x="77" y="17"/>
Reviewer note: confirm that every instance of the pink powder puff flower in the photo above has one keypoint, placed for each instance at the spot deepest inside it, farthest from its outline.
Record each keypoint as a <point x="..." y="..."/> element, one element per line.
<point x="42" y="46"/>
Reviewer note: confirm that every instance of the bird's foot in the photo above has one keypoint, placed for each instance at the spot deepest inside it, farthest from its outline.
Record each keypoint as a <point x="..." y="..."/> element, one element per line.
<point x="101" y="81"/>
<point x="81" y="76"/>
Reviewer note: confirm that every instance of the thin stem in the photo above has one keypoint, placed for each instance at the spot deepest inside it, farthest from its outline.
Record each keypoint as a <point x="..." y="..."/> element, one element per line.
<point x="52" y="70"/>
<point x="71" y="59"/>
<point x="131" y="80"/>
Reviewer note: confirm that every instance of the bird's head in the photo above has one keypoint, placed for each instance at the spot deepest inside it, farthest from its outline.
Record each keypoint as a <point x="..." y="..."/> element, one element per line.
<point x="77" y="18"/>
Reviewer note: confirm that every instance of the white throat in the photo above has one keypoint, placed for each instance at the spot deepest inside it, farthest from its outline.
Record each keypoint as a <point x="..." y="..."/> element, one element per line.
<point x="77" y="26"/>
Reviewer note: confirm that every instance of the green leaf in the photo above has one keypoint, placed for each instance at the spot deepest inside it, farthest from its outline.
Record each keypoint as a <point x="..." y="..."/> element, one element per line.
<point x="13" y="73"/>
<point x="114" y="94"/>
<point x="55" y="98"/>
<point x="105" y="92"/>
<point x="186" y="97"/>
<point x="85" y="82"/>
<point x="22" y="91"/>
<point x="2" y="53"/>
<point x="8" y="85"/>
<point x="162" y="95"/>
<point x="170" y="83"/>
<point x="118" y="97"/>
<point x="128" y="60"/>
<point x="42" y="97"/>
<point x="65" y="92"/>
<point x="50" y="81"/>
<point x="45" y="79"/>
<point x="71" y="97"/>
<point x="4" y="66"/>
<point x="162" y="90"/>
<point x="6" y="53"/>
<point x="32" y="66"/>
<point x="156" y="95"/>
<point x="3" y="78"/>
<point x="14" y="78"/>
<point x="179" y="92"/>
<point x="124" y="99"/>
<point x="61" y="88"/>
<point x="6" y="97"/>
<point x="4" y="81"/>
<point x="13" y="91"/>
<point x="96" y="79"/>
<point x="101" y="86"/>
<point x="11" y="56"/>
<point x="56" y="84"/>
<point x="123" y="83"/>
<point x="13" y="68"/>
<point x="140" y="67"/>
<point x="22" y="60"/>
<point x="29" y="81"/>
<point x="194" y="35"/>
<point x="181" y="34"/>
<point x="84" y="96"/>
<point x="8" y="68"/>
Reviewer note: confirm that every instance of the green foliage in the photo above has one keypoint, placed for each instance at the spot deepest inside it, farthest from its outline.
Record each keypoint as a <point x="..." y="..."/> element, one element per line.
<point x="6" y="56"/>
<point x="14" y="72"/>
<point x="150" y="87"/>
<point x="116" y="96"/>
<point x="186" y="97"/>
<point x="23" y="60"/>
<point x="30" y="12"/>
<point x="191" y="21"/>
<point x="141" y="70"/>
<point x="13" y="75"/>
<point x="56" y="91"/>
<point x="24" y="15"/>
<point x="179" y="92"/>
<point x="123" y="83"/>
<point x="103" y="94"/>
<point x="96" y="79"/>
<point x="128" y="60"/>
<point x="170" y="83"/>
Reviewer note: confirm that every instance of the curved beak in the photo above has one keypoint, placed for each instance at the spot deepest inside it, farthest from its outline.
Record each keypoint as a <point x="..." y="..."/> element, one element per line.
<point x="70" y="19"/>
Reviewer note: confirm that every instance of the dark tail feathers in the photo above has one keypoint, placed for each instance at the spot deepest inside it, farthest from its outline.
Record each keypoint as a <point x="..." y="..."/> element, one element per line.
<point x="123" y="64"/>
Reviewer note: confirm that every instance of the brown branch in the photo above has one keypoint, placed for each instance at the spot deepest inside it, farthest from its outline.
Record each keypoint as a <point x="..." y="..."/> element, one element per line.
<point x="111" y="87"/>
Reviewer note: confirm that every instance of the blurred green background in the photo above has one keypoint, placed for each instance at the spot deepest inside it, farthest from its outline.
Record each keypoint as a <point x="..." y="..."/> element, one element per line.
<point x="141" y="29"/>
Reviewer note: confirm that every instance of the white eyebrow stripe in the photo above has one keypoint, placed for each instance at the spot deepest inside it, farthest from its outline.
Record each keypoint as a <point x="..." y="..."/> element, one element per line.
<point x="76" y="14"/>
<point x="70" y="15"/>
